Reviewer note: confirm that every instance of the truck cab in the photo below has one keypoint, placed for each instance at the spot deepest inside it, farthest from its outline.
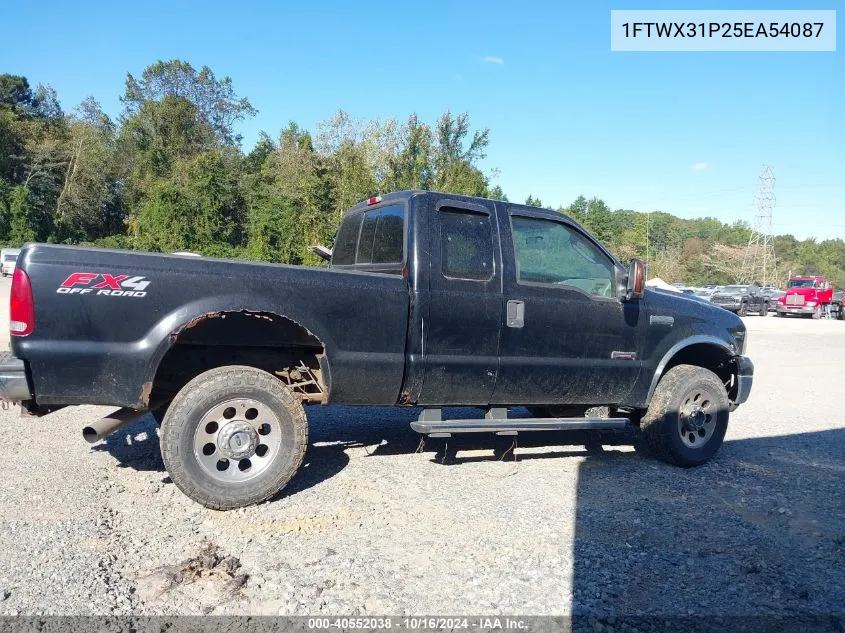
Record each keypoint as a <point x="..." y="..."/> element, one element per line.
<point x="809" y="296"/>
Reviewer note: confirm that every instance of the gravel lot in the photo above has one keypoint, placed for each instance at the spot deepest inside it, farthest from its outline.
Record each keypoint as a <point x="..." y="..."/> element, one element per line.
<point x="578" y="524"/>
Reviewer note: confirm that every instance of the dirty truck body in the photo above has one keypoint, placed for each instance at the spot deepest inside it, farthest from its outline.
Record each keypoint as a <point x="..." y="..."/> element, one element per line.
<point x="430" y="300"/>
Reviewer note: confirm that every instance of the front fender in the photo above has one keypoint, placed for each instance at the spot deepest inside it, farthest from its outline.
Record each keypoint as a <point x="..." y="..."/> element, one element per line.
<point x="672" y="352"/>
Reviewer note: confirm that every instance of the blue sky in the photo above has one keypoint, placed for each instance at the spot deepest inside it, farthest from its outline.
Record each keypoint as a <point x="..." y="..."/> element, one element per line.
<point x="686" y="133"/>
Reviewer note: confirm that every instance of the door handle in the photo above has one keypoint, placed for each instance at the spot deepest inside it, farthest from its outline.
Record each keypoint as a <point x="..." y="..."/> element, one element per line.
<point x="515" y="316"/>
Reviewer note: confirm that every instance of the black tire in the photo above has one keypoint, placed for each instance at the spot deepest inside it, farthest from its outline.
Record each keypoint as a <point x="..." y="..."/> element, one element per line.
<point x="817" y="313"/>
<point x="782" y="314"/>
<point x="663" y="425"/>
<point x="180" y="431"/>
<point x="743" y="309"/>
<point x="765" y="310"/>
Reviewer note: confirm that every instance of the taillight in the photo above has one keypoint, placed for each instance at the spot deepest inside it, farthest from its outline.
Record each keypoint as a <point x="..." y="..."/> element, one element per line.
<point x="373" y="200"/>
<point x="21" y="307"/>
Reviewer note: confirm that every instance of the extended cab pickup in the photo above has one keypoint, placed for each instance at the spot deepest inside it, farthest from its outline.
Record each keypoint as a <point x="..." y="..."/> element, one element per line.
<point x="430" y="300"/>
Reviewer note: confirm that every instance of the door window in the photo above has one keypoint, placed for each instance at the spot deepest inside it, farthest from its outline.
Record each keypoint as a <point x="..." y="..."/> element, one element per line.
<point x="551" y="252"/>
<point x="466" y="244"/>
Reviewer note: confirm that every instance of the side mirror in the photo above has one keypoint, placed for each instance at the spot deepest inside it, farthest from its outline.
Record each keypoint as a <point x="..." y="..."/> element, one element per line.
<point x="636" y="280"/>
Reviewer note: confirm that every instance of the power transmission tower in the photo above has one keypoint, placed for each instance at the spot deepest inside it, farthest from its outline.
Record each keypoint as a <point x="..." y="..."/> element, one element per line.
<point x="759" y="262"/>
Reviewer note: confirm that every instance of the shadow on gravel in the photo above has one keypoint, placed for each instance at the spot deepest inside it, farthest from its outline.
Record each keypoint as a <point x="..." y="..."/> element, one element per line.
<point x="759" y="531"/>
<point x="386" y="431"/>
<point x="135" y="445"/>
<point x="383" y="430"/>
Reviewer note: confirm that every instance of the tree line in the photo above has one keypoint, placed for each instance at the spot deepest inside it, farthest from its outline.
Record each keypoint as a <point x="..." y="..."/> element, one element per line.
<point x="170" y="174"/>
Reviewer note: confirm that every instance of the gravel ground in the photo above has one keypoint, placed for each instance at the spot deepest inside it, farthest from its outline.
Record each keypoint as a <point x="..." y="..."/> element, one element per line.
<point x="579" y="524"/>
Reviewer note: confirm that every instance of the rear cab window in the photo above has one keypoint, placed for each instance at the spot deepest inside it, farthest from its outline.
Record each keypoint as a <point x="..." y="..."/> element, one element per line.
<point x="372" y="240"/>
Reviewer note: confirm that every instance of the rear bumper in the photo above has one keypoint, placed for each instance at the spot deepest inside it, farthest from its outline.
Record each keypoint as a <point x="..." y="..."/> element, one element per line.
<point x="14" y="386"/>
<point x="744" y="380"/>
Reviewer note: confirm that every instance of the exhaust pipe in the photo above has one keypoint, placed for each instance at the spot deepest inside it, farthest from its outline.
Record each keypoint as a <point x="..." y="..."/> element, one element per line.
<point x="106" y="426"/>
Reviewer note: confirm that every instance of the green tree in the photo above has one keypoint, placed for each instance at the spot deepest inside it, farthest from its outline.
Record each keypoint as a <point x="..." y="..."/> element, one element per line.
<point x="88" y="205"/>
<point x="196" y="209"/>
<point x="21" y="227"/>
<point x="214" y="100"/>
<point x="455" y="160"/>
<point x="496" y="193"/>
<point x="409" y="165"/>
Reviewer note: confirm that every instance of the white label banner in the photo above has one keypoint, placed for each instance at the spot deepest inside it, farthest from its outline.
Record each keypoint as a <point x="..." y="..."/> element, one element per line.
<point x="722" y="30"/>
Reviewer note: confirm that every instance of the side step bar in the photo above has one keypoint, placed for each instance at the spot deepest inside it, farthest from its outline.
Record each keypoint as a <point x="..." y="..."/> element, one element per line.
<point x="496" y="421"/>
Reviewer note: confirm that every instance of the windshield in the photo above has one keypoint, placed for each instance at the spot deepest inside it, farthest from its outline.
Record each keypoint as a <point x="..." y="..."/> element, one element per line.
<point x="802" y="283"/>
<point x="9" y="258"/>
<point x="733" y="290"/>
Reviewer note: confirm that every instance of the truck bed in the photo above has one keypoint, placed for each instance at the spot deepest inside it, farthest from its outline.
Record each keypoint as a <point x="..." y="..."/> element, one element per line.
<point x="106" y="318"/>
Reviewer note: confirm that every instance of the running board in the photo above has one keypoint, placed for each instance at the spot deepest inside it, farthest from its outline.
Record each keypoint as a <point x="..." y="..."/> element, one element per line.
<point x="496" y="421"/>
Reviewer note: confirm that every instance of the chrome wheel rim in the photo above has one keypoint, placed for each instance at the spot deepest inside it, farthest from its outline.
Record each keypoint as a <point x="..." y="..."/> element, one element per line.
<point x="697" y="419"/>
<point x="237" y="440"/>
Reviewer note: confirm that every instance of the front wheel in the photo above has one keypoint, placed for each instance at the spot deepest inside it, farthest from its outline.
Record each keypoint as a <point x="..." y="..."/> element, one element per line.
<point x="743" y="309"/>
<point x="817" y="313"/>
<point x="765" y="310"/>
<point x="688" y="416"/>
<point x="233" y="436"/>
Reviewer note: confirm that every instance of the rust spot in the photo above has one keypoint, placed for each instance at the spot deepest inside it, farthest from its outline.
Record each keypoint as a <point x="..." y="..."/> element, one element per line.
<point x="405" y="397"/>
<point x="146" y="390"/>
<point x="197" y="320"/>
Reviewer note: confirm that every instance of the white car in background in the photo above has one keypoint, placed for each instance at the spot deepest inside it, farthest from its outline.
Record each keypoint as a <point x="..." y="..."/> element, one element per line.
<point x="9" y="260"/>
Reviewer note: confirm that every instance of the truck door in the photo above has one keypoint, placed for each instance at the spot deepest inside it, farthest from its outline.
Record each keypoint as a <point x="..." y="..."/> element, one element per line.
<point x="568" y="339"/>
<point x="461" y="332"/>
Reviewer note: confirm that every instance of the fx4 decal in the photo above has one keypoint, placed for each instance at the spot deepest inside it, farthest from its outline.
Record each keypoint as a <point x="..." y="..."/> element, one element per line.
<point x="108" y="285"/>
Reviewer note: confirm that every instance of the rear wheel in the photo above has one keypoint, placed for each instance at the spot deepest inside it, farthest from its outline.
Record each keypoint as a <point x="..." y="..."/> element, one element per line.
<point x="688" y="416"/>
<point x="233" y="436"/>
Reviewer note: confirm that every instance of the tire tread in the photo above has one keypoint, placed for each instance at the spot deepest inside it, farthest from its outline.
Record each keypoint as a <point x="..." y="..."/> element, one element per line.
<point x="222" y="380"/>
<point x="656" y="431"/>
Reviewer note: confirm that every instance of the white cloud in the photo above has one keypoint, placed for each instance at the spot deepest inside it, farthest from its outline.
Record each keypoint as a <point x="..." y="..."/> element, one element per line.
<point x="490" y="59"/>
<point x="700" y="166"/>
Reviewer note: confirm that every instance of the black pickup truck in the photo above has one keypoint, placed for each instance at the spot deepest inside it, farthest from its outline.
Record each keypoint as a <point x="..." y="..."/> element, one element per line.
<point x="429" y="300"/>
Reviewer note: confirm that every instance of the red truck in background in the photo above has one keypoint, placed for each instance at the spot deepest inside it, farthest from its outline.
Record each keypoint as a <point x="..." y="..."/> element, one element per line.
<point x="811" y="296"/>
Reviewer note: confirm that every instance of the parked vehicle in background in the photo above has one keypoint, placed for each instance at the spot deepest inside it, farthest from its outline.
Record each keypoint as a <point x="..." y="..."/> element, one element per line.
<point x="8" y="260"/>
<point x="773" y="294"/>
<point x="742" y="299"/>
<point x="838" y="305"/>
<point x="806" y="295"/>
<point x="705" y="293"/>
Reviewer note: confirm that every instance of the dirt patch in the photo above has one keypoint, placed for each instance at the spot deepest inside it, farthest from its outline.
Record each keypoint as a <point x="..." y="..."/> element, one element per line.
<point x="215" y="573"/>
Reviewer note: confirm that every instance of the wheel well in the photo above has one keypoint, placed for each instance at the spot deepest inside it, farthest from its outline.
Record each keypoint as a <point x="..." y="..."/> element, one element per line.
<point x="262" y="340"/>
<point x="709" y="356"/>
